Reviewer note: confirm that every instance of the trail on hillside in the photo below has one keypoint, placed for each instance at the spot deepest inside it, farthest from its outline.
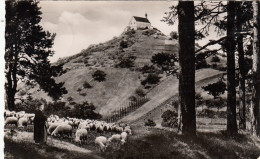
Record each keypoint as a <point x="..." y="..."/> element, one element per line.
<point x="161" y="93"/>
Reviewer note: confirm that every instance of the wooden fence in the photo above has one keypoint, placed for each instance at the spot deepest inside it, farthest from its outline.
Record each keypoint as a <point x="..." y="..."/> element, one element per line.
<point x="125" y="110"/>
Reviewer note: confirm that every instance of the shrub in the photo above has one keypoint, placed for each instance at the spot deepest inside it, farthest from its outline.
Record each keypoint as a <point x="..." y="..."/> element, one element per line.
<point x="140" y="92"/>
<point x="83" y="94"/>
<point x="123" y="44"/>
<point x="86" y="85"/>
<point x="166" y="61"/>
<point x="99" y="75"/>
<point x="170" y="119"/>
<point x="215" y="59"/>
<point x="85" y="110"/>
<point x="79" y="89"/>
<point x="126" y="63"/>
<point x="174" y="35"/>
<point x="151" y="79"/>
<point x="150" y="122"/>
<point x="148" y="69"/>
<point x="201" y="64"/>
<point x="132" y="98"/>
<point x="69" y="99"/>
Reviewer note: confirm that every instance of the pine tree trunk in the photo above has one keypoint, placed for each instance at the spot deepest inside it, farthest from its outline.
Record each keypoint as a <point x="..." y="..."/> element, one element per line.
<point x="231" y="88"/>
<point x="187" y="66"/>
<point x="242" y="90"/>
<point x="255" y="118"/>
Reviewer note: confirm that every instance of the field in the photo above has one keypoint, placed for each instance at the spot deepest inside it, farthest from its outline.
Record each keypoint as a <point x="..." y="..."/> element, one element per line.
<point x="146" y="142"/>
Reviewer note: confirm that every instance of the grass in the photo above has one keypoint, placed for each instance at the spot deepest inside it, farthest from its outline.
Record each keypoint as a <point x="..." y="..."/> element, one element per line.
<point x="165" y="144"/>
<point x="25" y="150"/>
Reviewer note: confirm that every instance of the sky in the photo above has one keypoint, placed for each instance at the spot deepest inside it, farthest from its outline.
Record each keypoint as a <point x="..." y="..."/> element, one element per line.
<point x="78" y="24"/>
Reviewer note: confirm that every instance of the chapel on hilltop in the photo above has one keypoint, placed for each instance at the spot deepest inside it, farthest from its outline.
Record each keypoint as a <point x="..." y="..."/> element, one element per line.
<point x="139" y="23"/>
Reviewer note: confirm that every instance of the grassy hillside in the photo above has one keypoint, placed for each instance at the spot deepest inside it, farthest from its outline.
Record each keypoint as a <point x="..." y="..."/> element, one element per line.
<point x="121" y="83"/>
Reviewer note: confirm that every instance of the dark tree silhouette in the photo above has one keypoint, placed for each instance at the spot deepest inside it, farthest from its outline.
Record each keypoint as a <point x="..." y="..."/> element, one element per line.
<point x="27" y="50"/>
<point x="99" y="75"/>
<point x="255" y="114"/>
<point x="187" y="66"/>
<point x="215" y="89"/>
<point x="231" y="88"/>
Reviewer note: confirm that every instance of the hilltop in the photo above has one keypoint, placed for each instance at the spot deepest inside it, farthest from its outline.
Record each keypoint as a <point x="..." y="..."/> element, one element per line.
<point x="121" y="59"/>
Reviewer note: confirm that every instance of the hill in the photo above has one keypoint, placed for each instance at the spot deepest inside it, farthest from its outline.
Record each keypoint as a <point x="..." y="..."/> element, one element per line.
<point x="121" y="59"/>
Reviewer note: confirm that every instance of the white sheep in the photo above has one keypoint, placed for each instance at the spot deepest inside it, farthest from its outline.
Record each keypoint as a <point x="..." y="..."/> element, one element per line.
<point x="11" y="120"/>
<point x="123" y="137"/>
<point x="81" y="135"/>
<point x="116" y="138"/>
<point x="101" y="142"/>
<point x="22" y="122"/>
<point x="128" y="130"/>
<point x="63" y="129"/>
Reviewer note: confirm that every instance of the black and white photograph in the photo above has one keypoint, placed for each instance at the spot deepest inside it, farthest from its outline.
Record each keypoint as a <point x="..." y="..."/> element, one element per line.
<point x="130" y="79"/>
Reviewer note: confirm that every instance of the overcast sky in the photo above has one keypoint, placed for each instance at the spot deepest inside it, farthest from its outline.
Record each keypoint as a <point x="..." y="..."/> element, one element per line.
<point x="81" y="23"/>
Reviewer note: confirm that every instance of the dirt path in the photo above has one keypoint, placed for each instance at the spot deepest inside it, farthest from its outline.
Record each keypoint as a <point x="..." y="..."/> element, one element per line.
<point x="165" y="91"/>
<point x="28" y="137"/>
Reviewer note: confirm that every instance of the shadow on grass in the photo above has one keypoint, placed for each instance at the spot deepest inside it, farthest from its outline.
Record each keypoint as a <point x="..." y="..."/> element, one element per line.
<point x="25" y="150"/>
<point x="169" y="145"/>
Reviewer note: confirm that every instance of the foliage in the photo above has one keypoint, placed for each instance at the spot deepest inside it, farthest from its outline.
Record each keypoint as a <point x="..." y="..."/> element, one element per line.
<point x="99" y="75"/>
<point x="174" y="35"/>
<point x="86" y="85"/>
<point x="150" y="122"/>
<point x="140" y="92"/>
<point x="149" y="32"/>
<point x="166" y="61"/>
<point x="132" y="98"/>
<point x="29" y="105"/>
<point x="123" y="44"/>
<point x="126" y="63"/>
<point x="151" y="79"/>
<point x="148" y="69"/>
<point x="215" y="59"/>
<point x="85" y="110"/>
<point x="169" y="119"/>
<point x="215" y="89"/>
<point x="27" y="51"/>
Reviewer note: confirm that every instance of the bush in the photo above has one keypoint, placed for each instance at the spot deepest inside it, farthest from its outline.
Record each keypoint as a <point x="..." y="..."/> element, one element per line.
<point x="86" y="85"/>
<point x="201" y="64"/>
<point x="140" y="92"/>
<point x="166" y="61"/>
<point x="123" y="44"/>
<point x="151" y="79"/>
<point x="132" y="98"/>
<point x="174" y="35"/>
<point x="69" y="99"/>
<point x="150" y="122"/>
<point x="99" y="75"/>
<point x="85" y="111"/>
<point x="170" y="119"/>
<point x="215" y="59"/>
<point x="148" y="69"/>
<point x="126" y="63"/>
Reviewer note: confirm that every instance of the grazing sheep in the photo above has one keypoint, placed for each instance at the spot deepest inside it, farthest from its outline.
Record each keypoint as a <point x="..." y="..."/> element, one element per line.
<point x="52" y="127"/>
<point x="81" y="135"/>
<point x="115" y="138"/>
<point x="128" y="130"/>
<point x="101" y="142"/>
<point x="63" y="129"/>
<point x="123" y="137"/>
<point x="22" y="122"/>
<point x="11" y="120"/>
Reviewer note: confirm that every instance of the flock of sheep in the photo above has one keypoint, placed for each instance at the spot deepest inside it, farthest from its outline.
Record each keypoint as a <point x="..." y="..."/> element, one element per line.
<point x="66" y="127"/>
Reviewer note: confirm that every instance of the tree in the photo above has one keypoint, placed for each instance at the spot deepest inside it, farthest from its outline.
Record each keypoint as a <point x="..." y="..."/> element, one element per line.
<point x="187" y="66"/>
<point x="166" y="61"/>
<point x="215" y="89"/>
<point x="27" y="50"/>
<point x="99" y="75"/>
<point x="255" y="114"/>
<point x="231" y="88"/>
<point x="85" y="110"/>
